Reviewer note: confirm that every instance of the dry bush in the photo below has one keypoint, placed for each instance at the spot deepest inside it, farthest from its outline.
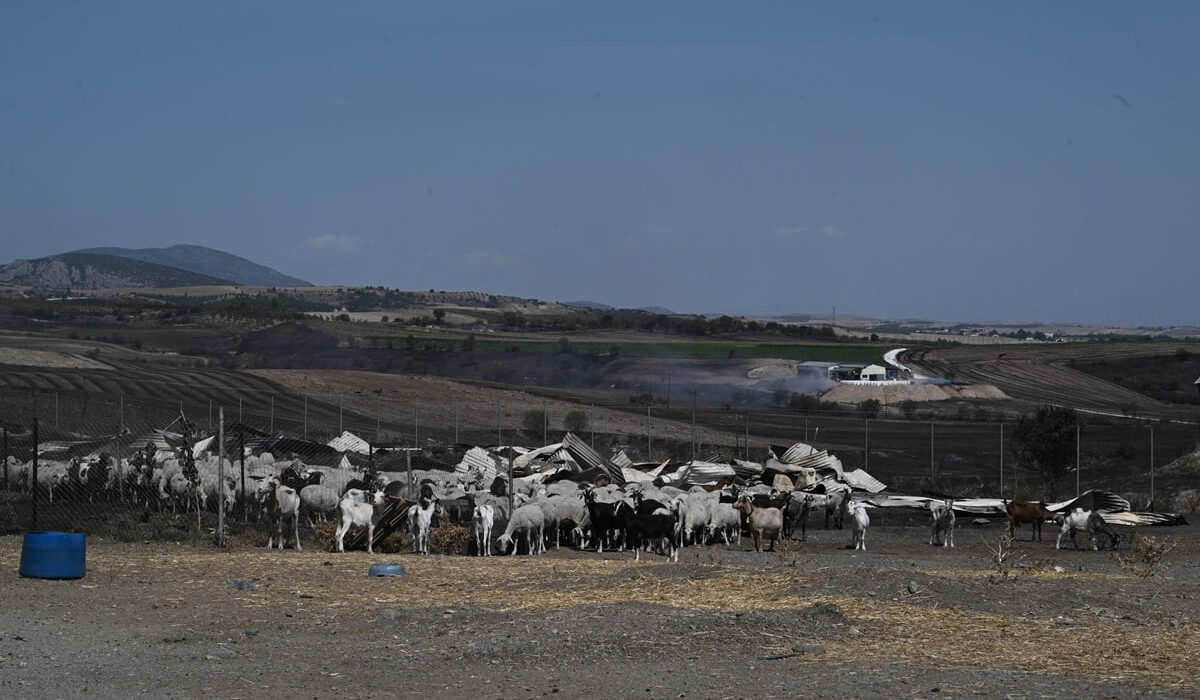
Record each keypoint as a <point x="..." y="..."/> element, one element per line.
<point x="450" y="539"/>
<point x="1147" y="555"/>
<point x="1004" y="559"/>
<point x="1187" y="501"/>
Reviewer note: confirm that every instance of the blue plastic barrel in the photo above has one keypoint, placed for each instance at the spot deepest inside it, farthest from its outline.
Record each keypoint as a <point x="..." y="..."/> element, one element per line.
<point x="56" y="555"/>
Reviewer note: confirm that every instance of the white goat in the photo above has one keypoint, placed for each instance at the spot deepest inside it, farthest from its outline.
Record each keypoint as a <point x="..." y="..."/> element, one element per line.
<point x="859" y="522"/>
<point x="1090" y="522"/>
<point x="941" y="516"/>
<point x="482" y="519"/>
<point x="419" y="520"/>
<point x="282" y="504"/>
<point x="355" y="512"/>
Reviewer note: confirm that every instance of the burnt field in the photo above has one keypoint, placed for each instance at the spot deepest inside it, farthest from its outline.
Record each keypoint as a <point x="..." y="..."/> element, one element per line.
<point x="1104" y="377"/>
<point x="952" y="450"/>
<point x="901" y="619"/>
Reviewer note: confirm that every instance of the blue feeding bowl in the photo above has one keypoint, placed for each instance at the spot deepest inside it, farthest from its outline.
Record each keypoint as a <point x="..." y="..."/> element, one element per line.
<point x="56" y="555"/>
<point x="387" y="569"/>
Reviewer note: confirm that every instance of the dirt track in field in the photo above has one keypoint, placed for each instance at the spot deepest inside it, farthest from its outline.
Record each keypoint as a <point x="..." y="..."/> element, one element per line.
<point x="903" y="619"/>
<point x="1043" y="374"/>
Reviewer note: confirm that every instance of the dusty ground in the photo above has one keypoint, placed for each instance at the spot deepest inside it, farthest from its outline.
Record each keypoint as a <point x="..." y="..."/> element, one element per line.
<point x="903" y="619"/>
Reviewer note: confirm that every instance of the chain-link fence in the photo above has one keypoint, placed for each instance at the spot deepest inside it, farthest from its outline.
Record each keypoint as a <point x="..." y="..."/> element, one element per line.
<point x="112" y="465"/>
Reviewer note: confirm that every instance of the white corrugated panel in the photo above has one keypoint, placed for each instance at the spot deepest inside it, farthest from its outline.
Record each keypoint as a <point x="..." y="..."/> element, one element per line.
<point x="349" y="442"/>
<point x="476" y="461"/>
<point x="859" y="479"/>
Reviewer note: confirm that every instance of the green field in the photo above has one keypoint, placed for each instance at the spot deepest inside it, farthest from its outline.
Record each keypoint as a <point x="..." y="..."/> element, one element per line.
<point x="382" y="336"/>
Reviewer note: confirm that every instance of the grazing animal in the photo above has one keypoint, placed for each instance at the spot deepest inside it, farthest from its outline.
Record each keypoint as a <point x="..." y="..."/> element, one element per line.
<point x="281" y="504"/>
<point x="941" y="516"/>
<point x="655" y="522"/>
<point x="356" y="512"/>
<point x="320" y="500"/>
<point x="530" y="520"/>
<point x="764" y="522"/>
<point x="482" y="519"/>
<point x="1087" y="521"/>
<point x="420" y="519"/>
<point x="835" y="506"/>
<point x="725" y="519"/>
<point x="859" y="522"/>
<point x="1019" y="513"/>
<point x="798" y="506"/>
<point x="604" y="517"/>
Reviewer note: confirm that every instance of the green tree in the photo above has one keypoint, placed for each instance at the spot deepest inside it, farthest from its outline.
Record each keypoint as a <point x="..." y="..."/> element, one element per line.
<point x="780" y="396"/>
<point x="534" y="422"/>
<point x="804" y="402"/>
<point x="576" y="421"/>
<point x="187" y="464"/>
<point x="870" y="408"/>
<point x="909" y="408"/>
<point x="1045" y="442"/>
<point x="439" y="315"/>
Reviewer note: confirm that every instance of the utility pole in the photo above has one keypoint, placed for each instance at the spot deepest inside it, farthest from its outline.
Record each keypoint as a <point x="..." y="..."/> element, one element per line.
<point x="932" y="474"/>
<point x="455" y="421"/>
<point x="341" y="425"/>
<point x="1001" y="460"/>
<point x="545" y="427"/>
<point x="592" y="422"/>
<point x="306" y="416"/>
<point x="272" y="418"/>
<point x="34" y="523"/>
<point x="499" y="439"/>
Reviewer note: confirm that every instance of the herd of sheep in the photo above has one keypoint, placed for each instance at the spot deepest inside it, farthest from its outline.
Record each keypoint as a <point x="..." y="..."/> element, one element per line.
<point x="527" y="515"/>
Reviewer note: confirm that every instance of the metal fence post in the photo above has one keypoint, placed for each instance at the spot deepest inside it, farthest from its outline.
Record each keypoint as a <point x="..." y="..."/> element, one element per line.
<point x="4" y="456"/>
<point x="33" y="525"/>
<point x="242" y="459"/>
<point x="221" y="476"/>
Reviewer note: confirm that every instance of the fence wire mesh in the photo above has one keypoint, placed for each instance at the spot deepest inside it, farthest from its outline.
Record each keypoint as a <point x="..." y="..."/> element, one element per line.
<point x="113" y="464"/>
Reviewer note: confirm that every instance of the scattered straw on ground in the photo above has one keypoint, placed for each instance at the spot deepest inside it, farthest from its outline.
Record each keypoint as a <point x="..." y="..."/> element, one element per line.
<point x="891" y="631"/>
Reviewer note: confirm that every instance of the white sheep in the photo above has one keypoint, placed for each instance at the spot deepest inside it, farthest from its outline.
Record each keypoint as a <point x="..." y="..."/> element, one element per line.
<point x="723" y="518"/>
<point x="528" y="519"/>
<point x="320" y="500"/>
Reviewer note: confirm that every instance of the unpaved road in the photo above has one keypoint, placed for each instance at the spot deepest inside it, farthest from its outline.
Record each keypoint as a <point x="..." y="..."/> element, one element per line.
<point x="903" y="619"/>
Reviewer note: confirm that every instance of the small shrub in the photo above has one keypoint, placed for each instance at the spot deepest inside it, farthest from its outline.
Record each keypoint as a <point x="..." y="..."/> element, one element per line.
<point x="1003" y="558"/>
<point x="1147" y="554"/>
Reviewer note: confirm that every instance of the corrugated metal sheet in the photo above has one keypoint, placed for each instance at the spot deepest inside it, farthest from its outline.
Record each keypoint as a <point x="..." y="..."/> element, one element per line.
<point x="349" y="442"/>
<point x="477" y="461"/>
<point x="859" y="479"/>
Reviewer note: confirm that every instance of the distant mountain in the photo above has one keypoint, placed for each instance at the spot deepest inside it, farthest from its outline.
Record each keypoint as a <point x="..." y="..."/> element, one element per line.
<point x="207" y="261"/>
<point x="96" y="271"/>
<point x="661" y="311"/>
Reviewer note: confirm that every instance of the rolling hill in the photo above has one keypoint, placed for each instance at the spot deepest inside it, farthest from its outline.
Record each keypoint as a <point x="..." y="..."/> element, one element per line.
<point x="98" y="271"/>
<point x="206" y="261"/>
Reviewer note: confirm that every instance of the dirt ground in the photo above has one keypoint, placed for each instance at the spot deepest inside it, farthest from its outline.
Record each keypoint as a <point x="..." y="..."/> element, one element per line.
<point x="817" y="619"/>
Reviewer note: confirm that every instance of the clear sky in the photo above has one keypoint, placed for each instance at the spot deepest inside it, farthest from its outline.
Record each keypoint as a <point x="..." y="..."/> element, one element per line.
<point x="1025" y="161"/>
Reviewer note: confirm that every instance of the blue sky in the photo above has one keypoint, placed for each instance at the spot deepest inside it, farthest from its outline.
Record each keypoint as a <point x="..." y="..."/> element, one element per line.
<point x="1021" y="161"/>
